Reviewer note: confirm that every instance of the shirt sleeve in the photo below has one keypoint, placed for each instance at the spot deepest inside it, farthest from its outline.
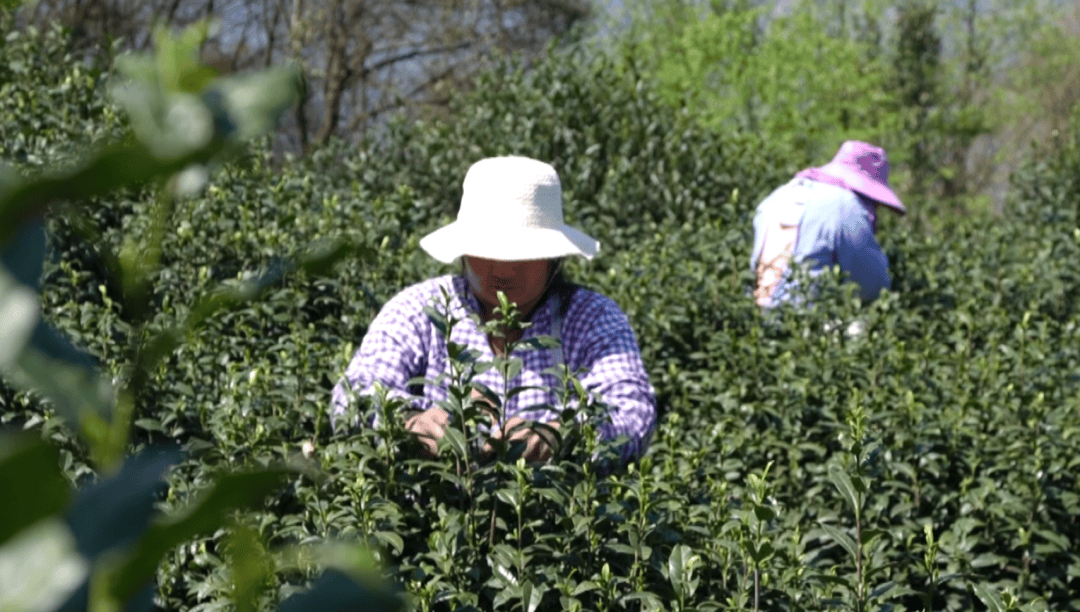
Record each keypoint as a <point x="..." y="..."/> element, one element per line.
<point x="606" y="349"/>
<point x="858" y="253"/>
<point x="393" y="352"/>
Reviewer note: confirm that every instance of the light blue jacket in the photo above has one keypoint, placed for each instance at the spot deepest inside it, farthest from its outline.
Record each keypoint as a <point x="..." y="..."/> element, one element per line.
<point x="836" y="227"/>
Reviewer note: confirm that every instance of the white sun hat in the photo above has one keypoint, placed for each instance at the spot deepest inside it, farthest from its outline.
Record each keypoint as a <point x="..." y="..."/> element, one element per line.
<point x="511" y="210"/>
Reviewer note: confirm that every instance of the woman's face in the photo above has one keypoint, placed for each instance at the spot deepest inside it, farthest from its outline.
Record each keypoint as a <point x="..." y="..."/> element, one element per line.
<point x="523" y="282"/>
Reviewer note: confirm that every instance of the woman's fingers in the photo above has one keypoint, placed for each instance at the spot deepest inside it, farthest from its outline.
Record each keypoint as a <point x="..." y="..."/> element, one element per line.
<point x="428" y="427"/>
<point x="537" y="446"/>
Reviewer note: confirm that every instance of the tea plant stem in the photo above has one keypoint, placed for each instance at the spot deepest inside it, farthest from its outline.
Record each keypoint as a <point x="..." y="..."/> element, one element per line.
<point x="930" y="565"/>
<point x="859" y="601"/>
<point x="757" y="588"/>
<point x="470" y="500"/>
<point x="1026" y="557"/>
<point x="302" y="367"/>
<point x="520" y="522"/>
<point x="388" y="448"/>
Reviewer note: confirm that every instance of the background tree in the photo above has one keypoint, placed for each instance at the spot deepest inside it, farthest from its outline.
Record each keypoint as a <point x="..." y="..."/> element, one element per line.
<point x="917" y="83"/>
<point x="1042" y="86"/>
<point x="955" y="91"/>
<point x="363" y="60"/>
<point x="733" y="65"/>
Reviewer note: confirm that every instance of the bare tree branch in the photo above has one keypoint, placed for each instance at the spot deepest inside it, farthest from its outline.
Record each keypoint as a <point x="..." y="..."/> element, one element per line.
<point x="362" y="59"/>
<point x="390" y="61"/>
<point x="271" y="32"/>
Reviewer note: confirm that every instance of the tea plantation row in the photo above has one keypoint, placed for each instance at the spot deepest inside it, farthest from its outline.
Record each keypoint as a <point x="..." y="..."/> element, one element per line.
<point x="927" y="463"/>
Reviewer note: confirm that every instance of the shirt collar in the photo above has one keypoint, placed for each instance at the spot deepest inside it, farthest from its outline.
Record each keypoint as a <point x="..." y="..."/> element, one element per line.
<point x="541" y="317"/>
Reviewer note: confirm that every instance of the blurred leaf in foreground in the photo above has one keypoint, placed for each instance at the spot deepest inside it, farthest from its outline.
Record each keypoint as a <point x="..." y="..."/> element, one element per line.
<point x="31" y="481"/>
<point x="351" y="580"/>
<point x="40" y="568"/>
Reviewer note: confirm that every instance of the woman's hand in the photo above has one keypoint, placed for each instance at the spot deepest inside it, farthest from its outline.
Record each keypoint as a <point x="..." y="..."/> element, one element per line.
<point x="428" y="427"/>
<point x="538" y="448"/>
<point x="486" y="406"/>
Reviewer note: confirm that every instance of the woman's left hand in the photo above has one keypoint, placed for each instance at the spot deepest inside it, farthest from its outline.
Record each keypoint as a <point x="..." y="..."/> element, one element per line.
<point x="538" y="448"/>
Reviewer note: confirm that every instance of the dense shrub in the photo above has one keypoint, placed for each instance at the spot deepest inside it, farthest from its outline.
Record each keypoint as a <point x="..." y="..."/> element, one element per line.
<point x="49" y="98"/>
<point x="925" y="463"/>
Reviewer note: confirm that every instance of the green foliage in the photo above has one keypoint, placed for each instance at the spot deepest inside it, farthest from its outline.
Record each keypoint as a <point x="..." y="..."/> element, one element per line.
<point x="918" y="82"/>
<point x="916" y="453"/>
<point x="732" y="70"/>
<point x="763" y="81"/>
<point x="28" y="472"/>
<point x="1043" y="83"/>
<point x="50" y="107"/>
<point x="106" y="555"/>
<point x="941" y="116"/>
<point x="757" y="72"/>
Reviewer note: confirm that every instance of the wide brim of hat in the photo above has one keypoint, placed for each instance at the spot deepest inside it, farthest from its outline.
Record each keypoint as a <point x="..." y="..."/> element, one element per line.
<point x="456" y="239"/>
<point x="864" y="185"/>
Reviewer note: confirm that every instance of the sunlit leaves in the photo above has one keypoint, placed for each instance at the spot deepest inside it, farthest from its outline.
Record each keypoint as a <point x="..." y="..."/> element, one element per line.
<point x="19" y="310"/>
<point x="40" y="568"/>
<point x="179" y="105"/>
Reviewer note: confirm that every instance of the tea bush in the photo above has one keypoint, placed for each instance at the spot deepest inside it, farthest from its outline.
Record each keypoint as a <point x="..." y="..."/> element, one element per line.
<point x="927" y="462"/>
<point x="98" y="547"/>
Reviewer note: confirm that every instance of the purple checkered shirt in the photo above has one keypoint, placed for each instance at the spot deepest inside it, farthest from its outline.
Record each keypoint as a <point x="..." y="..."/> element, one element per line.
<point x="402" y="344"/>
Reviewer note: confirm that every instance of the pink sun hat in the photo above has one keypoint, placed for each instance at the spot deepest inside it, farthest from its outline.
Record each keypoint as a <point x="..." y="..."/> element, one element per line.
<point x="860" y="167"/>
